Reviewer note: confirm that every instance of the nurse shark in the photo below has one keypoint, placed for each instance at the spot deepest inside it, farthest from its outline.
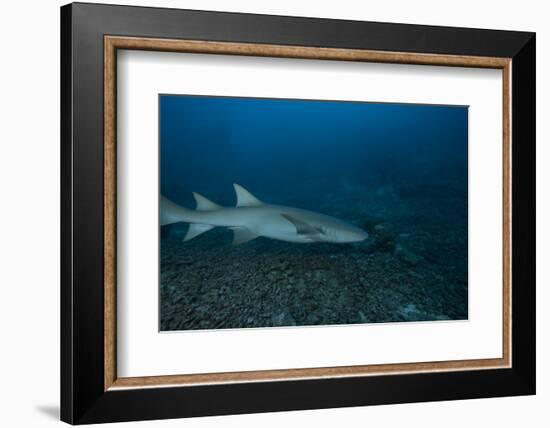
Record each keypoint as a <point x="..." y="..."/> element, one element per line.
<point x="252" y="218"/>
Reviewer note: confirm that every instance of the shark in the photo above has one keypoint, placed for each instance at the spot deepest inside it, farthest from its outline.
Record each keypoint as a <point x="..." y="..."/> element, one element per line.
<point x="252" y="218"/>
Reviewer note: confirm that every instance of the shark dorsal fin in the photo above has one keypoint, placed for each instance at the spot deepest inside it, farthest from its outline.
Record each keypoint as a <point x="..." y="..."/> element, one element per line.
<point x="204" y="204"/>
<point x="244" y="197"/>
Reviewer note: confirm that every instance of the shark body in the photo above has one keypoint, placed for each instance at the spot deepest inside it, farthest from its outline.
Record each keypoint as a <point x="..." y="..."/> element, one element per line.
<point x="252" y="218"/>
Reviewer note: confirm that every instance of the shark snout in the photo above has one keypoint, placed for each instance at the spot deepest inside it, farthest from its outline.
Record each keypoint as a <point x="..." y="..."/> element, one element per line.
<point x="352" y="234"/>
<point x="358" y="236"/>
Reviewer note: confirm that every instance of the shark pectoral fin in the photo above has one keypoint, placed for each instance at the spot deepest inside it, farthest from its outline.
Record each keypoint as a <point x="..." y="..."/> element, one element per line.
<point x="242" y="235"/>
<point x="195" y="229"/>
<point x="302" y="228"/>
<point x="245" y="198"/>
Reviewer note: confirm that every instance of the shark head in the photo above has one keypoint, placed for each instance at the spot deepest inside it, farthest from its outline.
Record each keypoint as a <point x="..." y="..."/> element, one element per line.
<point x="323" y="228"/>
<point x="340" y="232"/>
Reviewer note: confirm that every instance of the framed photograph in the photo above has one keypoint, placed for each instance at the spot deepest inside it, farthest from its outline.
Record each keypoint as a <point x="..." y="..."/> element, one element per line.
<point x="266" y="213"/>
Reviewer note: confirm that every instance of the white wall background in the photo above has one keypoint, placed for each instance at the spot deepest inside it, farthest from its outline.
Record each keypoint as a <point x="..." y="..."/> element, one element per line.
<point x="29" y="213"/>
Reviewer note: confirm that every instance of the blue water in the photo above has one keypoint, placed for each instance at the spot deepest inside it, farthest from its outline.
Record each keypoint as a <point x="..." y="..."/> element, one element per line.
<point x="398" y="171"/>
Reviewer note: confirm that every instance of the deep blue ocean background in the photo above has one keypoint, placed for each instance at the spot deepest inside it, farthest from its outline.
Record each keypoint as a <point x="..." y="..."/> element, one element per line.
<point x="400" y="171"/>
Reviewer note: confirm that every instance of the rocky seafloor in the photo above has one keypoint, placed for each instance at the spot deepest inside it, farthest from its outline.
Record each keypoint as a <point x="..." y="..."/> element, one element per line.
<point x="413" y="267"/>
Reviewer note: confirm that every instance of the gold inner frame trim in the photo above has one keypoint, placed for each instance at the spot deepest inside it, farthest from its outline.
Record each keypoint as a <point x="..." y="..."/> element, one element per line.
<point x="113" y="43"/>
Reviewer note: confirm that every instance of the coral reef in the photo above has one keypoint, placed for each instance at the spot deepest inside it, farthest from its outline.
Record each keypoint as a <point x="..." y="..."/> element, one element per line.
<point x="413" y="267"/>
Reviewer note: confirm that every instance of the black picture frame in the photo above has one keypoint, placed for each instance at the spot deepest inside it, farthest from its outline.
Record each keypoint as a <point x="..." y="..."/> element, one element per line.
<point x="83" y="396"/>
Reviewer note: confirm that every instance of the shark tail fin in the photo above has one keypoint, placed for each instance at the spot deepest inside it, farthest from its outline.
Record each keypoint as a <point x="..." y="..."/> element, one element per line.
<point x="244" y="197"/>
<point x="172" y="213"/>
